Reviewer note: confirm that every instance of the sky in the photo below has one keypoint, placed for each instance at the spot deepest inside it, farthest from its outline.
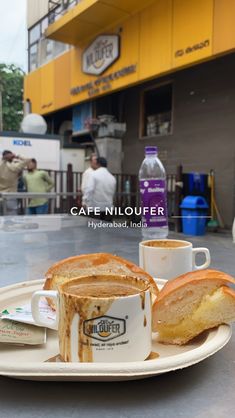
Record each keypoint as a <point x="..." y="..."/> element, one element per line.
<point x="13" y="33"/>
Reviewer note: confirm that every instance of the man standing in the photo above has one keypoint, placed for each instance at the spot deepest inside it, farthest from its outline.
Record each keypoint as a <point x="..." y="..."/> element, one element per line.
<point x="87" y="174"/>
<point x="100" y="189"/>
<point x="37" y="181"/>
<point x="10" y="168"/>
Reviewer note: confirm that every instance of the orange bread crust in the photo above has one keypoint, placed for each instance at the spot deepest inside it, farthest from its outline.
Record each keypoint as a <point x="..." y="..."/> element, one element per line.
<point x="96" y="259"/>
<point x="194" y="277"/>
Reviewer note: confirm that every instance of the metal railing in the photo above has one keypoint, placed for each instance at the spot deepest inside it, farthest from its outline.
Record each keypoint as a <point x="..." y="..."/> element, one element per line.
<point x="57" y="8"/>
<point x="24" y="197"/>
<point x="67" y="193"/>
<point x="70" y="199"/>
<point x="70" y="181"/>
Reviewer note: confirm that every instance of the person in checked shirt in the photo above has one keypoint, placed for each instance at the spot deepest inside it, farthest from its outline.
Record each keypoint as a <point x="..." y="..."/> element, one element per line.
<point x="37" y="181"/>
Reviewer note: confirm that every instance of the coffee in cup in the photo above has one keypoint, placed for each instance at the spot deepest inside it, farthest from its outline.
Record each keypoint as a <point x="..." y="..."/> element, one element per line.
<point x="167" y="259"/>
<point x="101" y="318"/>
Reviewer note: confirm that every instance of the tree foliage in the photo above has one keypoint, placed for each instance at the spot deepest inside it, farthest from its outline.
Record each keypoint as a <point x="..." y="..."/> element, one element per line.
<point x="11" y="85"/>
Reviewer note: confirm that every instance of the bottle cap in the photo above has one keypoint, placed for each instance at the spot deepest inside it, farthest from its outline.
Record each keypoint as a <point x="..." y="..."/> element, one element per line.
<point x="150" y="150"/>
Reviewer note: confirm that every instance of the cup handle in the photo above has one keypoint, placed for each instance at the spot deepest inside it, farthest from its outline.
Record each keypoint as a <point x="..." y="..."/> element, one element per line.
<point x="141" y="256"/>
<point x="36" y="314"/>
<point x="207" y="255"/>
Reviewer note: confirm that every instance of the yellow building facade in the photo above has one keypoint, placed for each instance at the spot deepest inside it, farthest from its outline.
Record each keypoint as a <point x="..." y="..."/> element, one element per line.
<point x="163" y="68"/>
<point x="156" y="38"/>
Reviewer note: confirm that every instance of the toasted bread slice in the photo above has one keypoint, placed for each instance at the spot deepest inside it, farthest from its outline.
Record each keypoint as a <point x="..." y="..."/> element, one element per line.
<point x="98" y="263"/>
<point x="192" y="303"/>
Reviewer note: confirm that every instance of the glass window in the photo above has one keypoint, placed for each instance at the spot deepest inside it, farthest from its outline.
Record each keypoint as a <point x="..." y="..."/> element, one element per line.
<point x="46" y="50"/>
<point x="72" y="3"/>
<point x="33" y="57"/>
<point x="44" y="25"/>
<point x="51" y="17"/>
<point x="34" y="34"/>
<point x="156" y="111"/>
<point x="49" y="49"/>
<point x="58" y="12"/>
<point x="59" y="48"/>
<point x="41" y="49"/>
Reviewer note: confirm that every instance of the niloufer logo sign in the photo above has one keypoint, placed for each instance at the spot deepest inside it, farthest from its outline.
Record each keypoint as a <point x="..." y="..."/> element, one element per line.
<point x="104" y="328"/>
<point x="102" y="53"/>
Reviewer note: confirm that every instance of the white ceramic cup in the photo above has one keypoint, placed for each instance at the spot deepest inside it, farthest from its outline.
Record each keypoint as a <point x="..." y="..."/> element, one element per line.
<point x="167" y="259"/>
<point x="101" y="329"/>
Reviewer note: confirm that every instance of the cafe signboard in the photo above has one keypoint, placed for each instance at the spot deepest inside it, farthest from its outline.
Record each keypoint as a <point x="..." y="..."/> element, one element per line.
<point x="101" y="54"/>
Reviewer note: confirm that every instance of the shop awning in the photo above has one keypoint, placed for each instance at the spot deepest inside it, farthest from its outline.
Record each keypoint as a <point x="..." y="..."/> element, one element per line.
<point x="90" y="17"/>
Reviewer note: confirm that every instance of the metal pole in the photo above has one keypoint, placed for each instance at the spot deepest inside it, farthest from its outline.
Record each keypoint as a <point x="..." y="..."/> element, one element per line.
<point x="4" y="206"/>
<point x="1" y="117"/>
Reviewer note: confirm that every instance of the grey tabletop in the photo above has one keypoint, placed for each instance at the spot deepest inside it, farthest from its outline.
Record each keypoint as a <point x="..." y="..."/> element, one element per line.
<point x="28" y="246"/>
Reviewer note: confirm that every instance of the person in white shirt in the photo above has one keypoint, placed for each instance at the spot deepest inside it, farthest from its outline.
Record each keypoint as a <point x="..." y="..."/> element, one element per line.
<point x="100" y="189"/>
<point x="86" y="175"/>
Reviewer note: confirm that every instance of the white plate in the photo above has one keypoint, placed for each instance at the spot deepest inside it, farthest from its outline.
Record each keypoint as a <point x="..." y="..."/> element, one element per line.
<point x="29" y="362"/>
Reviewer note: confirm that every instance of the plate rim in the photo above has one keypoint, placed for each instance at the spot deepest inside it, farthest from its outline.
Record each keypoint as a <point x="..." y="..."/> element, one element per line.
<point x="221" y="337"/>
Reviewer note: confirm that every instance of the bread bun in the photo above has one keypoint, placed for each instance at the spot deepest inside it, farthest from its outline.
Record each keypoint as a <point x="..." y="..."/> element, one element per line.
<point x="192" y="303"/>
<point x="98" y="263"/>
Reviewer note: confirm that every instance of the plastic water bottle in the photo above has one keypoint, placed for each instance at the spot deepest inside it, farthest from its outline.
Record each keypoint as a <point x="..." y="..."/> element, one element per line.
<point x="153" y="193"/>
